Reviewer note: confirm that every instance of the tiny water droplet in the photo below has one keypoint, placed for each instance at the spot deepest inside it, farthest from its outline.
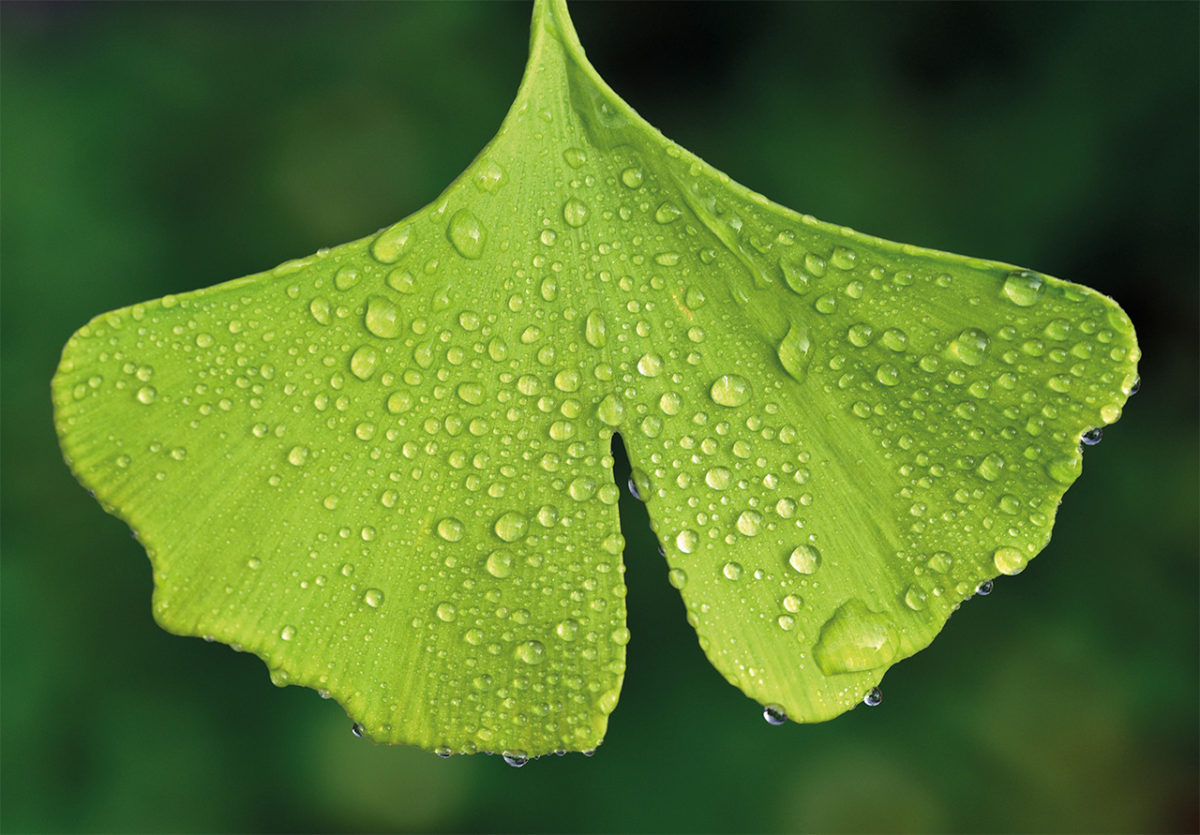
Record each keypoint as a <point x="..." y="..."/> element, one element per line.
<point x="873" y="698"/>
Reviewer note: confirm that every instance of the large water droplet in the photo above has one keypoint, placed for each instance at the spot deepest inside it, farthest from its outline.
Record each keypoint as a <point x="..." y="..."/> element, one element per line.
<point x="595" y="330"/>
<point x="611" y="410"/>
<point x="730" y="390"/>
<point x="382" y="318"/>
<point x="390" y="244"/>
<point x="531" y="652"/>
<point x="511" y="526"/>
<point x="855" y="639"/>
<point x="970" y="346"/>
<point x="774" y="715"/>
<point x="575" y="212"/>
<point x="363" y="362"/>
<point x="795" y="351"/>
<point x="1024" y="288"/>
<point x="499" y="564"/>
<point x="467" y="234"/>
<point x="687" y="541"/>
<point x="450" y="529"/>
<point x="1009" y="560"/>
<point x="805" y="559"/>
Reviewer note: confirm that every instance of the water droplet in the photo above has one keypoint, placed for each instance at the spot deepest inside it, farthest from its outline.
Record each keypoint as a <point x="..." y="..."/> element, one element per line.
<point x="490" y="176"/>
<point x="732" y="570"/>
<point x="667" y="213"/>
<point x="915" y="598"/>
<point x="687" y="541"/>
<point x="677" y="577"/>
<point x="390" y="244"/>
<point x="793" y="603"/>
<point x="401" y="281"/>
<point x="855" y="639"/>
<point x="1024" y="288"/>
<point x="595" y="330"/>
<point x="795" y="351"/>
<point x="774" y="715"/>
<point x="288" y="633"/>
<point x="516" y="758"/>
<point x="575" y="157"/>
<point x="466" y="234"/>
<point x="1009" y="560"/>
<point x="363" y="361"/>
<point x="373" y="598"/>
<point x="984" y="588"/>
<point x="382" y="318"/>
<point x="446" y="612"/>
<point x="472" y="393"/>
<point x="499" y="564"/>
<point x="749" y="522"/>
<point x="860" y="335"/>
<point x="450" y="529"/>
<point x="718" y="478"/>
<point x="1092" y="437"/>
<point x="575" y="212"/>
<point x="632" y="177"/>
<point x="611" y="410"/>
<point x="730" y="390"/>
<point x="991" y="467"/>
<point x="970" y="347"/>
<point x="297" y="456"/>
<point x="650" y="365"/>
<point x="320" y="310"/>
<point x="873" y="698"/>
<point x="147" y="395"/>
<point x="805" y="559"/>
<point x="531" y="652"/>
<point x="358" y="730"/>
<point x="345" y="278"/>
<point x="887" y="375"/>
<point x="511" y="526"/>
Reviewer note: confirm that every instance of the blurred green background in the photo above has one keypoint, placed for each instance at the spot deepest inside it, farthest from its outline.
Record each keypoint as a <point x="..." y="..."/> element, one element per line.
<point x="150" y="149"/>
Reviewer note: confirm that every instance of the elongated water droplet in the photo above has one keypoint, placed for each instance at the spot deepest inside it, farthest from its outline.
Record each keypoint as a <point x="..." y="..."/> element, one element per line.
<point x="855" y="639"/>
<point x="1024" y="288"/>
<point x="467" y="234"/>
<point x="575" y="212"/>
<point x="795" y="351"/>
<point x="382" y="318"/>
<point x="805" y="559"/>
<point x="595" y="330"/>
<point x="390" y="244"/>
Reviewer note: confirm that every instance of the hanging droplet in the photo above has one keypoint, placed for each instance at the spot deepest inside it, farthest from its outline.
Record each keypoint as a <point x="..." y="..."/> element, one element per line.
<point x="1092" y="437"/>
<point x="873" y="698"/>
<point x="516" y="758"/>
<point x="774" y="715"/>
<point x="984" y="588"/>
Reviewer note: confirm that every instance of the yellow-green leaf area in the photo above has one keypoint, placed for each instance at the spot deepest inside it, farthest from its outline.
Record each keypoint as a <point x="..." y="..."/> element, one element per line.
<point x="385" y="468"/>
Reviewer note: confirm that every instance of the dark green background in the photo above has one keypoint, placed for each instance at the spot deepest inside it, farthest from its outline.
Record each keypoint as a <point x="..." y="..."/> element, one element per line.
<point x="150" y="149"/>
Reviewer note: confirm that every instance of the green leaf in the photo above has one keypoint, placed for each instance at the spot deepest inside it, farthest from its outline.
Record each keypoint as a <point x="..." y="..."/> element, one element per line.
<point x="385" y="468"/>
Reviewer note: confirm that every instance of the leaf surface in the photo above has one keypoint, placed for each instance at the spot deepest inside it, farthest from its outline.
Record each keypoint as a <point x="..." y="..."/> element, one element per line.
<point x="385" y="468"/>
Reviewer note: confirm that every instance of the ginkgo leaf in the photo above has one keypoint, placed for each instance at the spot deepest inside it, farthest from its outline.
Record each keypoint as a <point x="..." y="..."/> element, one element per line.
<point x="385" y="469"/>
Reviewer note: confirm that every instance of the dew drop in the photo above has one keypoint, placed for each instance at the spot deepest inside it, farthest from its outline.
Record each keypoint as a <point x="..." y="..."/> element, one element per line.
<point x="363" y="361"/>
<point x="531" y="652"/>
<point x="446" y="612"/>
<point x="774" y="715"/>
<point x="795" y="351"/>
<point x="345" y="278"/>
<point x="1024" y="288"/>
<point x="595" y="330"/>
<point x="667" y="213"/>
<point x="855" y="639"/>
<point x="147" y="395"/>
<point x="358" y="730"/>
<point x="873" y="698"/>
<point x="805" y="559"/>
<point x="732" y="570"/>
<point x="687" y="541"/>
<point x="466" y="234"/>
<point x="718" y="478"/>
<point x="1092" y="437"/>
<point x="984" y="588"/>
<point x="472" y="393"/>
<point x="511" y="526"/>
<point x="730" y="390"/>
<point x="382" y="318"/>
<point x="320" y="310"/>
<point x="677" y="577"/>
<point x="749" y="522"/>
<point x="575" y="212"/>
<point x="632" y="177"/>
<point x="970" y="347"/>
<point x="490" y="176"/>
<point x="297" y="456"/>
<point x="373" y="598"/>
<point x="1009" y="560"/>
<point x="288" y="633"/>
<point x="499" y="564"/>
<point x="390" y="244"/>
<point x="516" y="758"/>
<point x="611" y="410"/>
<point x="450" y="529"/>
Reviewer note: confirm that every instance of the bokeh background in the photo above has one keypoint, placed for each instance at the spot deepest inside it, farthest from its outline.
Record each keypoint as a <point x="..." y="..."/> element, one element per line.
<point x="155" y="148"/>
